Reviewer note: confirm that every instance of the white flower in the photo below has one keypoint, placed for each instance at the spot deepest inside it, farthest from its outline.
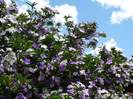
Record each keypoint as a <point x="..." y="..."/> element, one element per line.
<point x="11" y="18"/>
<point x="82" y="72"/>
<point x="44" y="46"/>
<point x="29" y="50"/>
<point x="80" y="84"/>
<point x="12" y="29"/>
<point x="60" y="53"/>
<point x="10" y="58"/>
<point x="42" y="37"/>
<point x="2" y="20"/>
<point x="102" y="91"/>
<point x="64" y="62"/>
<point x="61" y="39"/>
<point x="56" y="37"/>
<point x="118" y="75"/>
<point x="72" y="49"/>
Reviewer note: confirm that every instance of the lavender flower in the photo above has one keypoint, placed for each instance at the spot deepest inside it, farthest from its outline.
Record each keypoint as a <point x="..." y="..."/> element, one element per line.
<point x="107" y="81"/>
<point x="2" y="2"/>
<point x="26" y="61"/>
<point x="42" y="31"/>
<point x="14" y="82"/>
<point x="35" y="45"/>
<point x="55" y="81"/>
<point x="70" y="89"/>
<point x="92" y="84"/>
<point x="12" y="9"/>
<point x="73" y="63"/>
<point x="76" y="63"/>
<point x="24" y="88"/>
<point x="37" y="26"/>
<point x="85" y="94"/>
<point x="20" y="96"/>
<point x="100" y="80"/>
<point x="102" y="91"/>
<point x="41" y="77"/>
<point x="42" y="65"/>
<point x="62" y="67"/>
<point x="50" y="67"/>
<point x="1" y="68"/>
<point x="72" y="49"/>
<point x="109" y="61"/>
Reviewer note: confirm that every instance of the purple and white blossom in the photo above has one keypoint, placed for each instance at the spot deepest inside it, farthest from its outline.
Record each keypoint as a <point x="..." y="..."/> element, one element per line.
<point x="42" y="65"/>
<point x="12" y="9"/>
<point x="70" y="89"/>
<point x="20" y="96"/>
<point x="2" y="2"/>
<point x="109" y="61"/>
<point x="27" y="61"/>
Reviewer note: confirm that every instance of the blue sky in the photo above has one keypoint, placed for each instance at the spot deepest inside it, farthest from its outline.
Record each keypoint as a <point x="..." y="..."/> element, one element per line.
<point x="113" y="17"/>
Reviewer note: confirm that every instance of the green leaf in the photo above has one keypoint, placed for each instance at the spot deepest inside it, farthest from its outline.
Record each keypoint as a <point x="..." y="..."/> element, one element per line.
<point x="102" y="35"/>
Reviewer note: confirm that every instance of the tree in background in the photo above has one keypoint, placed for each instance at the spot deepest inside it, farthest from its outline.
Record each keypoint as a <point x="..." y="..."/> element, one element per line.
<point x="37" y="62"/>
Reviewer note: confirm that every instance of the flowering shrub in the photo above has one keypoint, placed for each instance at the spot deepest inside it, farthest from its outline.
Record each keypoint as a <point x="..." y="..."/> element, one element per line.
<point x="37" y="62"/>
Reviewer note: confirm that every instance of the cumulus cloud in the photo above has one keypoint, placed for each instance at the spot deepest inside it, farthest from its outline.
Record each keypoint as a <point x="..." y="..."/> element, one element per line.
<point x="63" y="10"/>
<point x="123" y="9"/>
<point x="108" y="44"/>
<point x="41" y="3"/>
<point x="111" y="43"/>
<point x="66" y="10"/>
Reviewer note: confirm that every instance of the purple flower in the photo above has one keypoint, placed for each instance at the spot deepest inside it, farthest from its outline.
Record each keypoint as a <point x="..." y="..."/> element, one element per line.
<point x="42" y="31"/>
<point x="85" y="94"/>
<point x="100" y="80"/>
<point x="25" y="88"/>
<point x="92" y="84"/>
<point x="2" y="2"/>
<point x="41" y="96"/>
<point x="14" y="82"/>
<point x="76" y="63"/>
<point x="20" y="96"/>
<point x="55" y="81"/>
<point x="42" y="65"/>
<point x="1" y="68"/>
<point x="62" y="67"/>
<point x="37" y="26"/>
<point x="72" y="49"/>
<point x="41" y="77"/>
<point x="26" y="61"/>
<point x="56" y="58"/>
<point x="109" y="61"/>
<point x="35" y="45"/>
<point x="107" y="81"/>
<point x="50" y="67"/>
<point x="70" y="89"/>
<point x="80" y="84"/>
<point x="73" y="63"/>
<point x="12" y="9"/>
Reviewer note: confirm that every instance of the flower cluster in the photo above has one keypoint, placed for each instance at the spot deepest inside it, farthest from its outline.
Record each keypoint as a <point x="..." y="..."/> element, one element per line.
<point x="37" y="62"/>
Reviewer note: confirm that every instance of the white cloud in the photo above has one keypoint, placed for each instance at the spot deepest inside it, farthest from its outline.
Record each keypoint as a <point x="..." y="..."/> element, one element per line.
<point x="108" y="44"/>
<point x="22" y="8"/>
<point x="111" y="43"/>
<point x="123" y="9"/>
<point x="40" y="3"/>
<point x="64" y="9"/>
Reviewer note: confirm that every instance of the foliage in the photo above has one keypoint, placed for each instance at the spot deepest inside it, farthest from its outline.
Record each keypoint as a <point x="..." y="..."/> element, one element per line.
<point x="36" y="61"/>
